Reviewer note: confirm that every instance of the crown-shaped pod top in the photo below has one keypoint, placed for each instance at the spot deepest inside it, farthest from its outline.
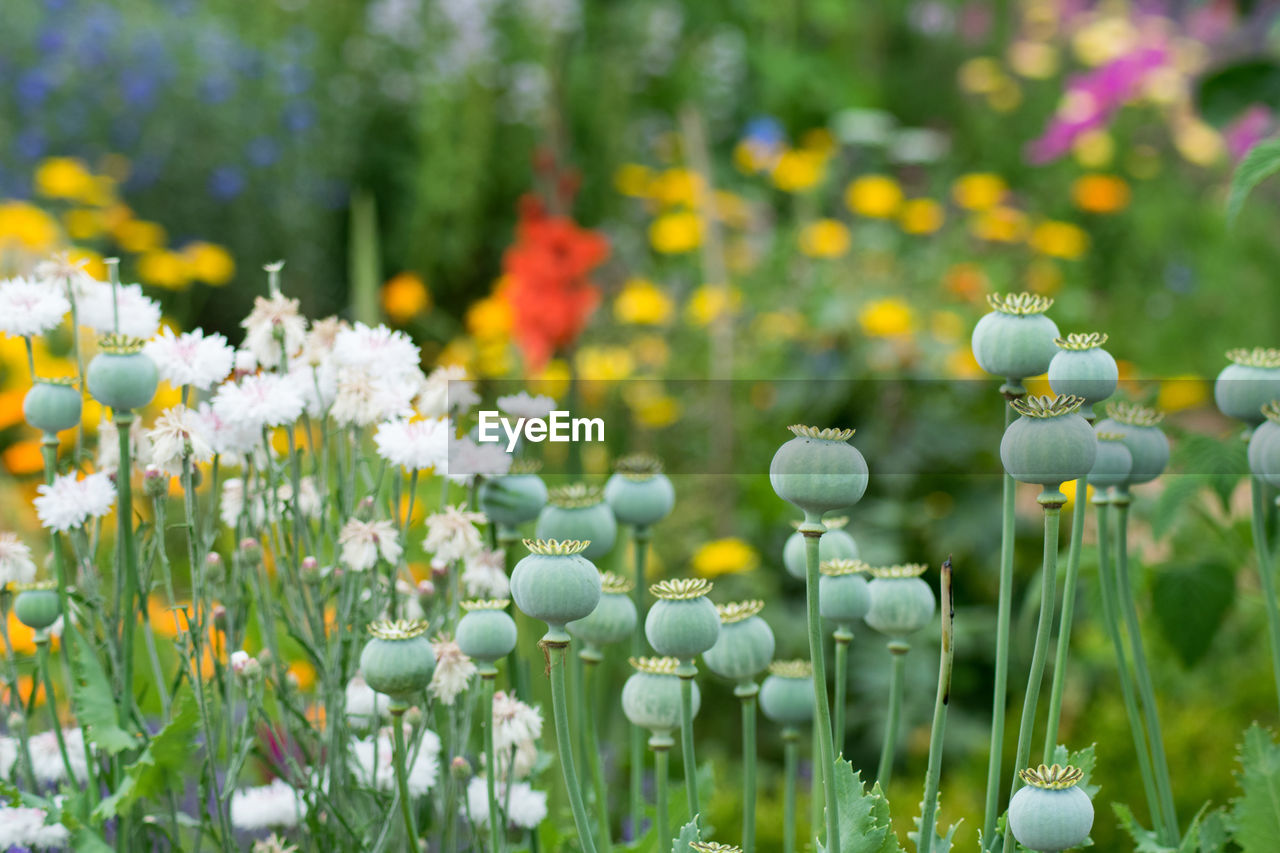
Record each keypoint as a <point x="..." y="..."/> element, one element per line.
<point x="683" y="623"/>
<point x="1015" y="340"/>
<point x="1082" y="368"/>
<point x="1249" y="382"/>
<point x="1264" y="445"/>
<point x="1050" y="444"/>
<point x="902" y="602"/>
<point x="121" y="376"/>
<point x="818" y="471"/>
<point x="1052" y="813"/>
<point x="1139" y="429"/>
<point x="612" y="621"/>
<point x="578" y="511"/>
<point x="398" y="659"/>
<point x="744" y="646"/>
<point x="638" y="492"/>
<point x="556" y="584"/>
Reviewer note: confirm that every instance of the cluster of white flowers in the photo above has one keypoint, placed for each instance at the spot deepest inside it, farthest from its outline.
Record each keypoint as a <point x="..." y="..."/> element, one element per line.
<point x="525" y="808"/>
<point x="267" y="806"/>
<point x="267" y="501"/>
<point x="46" y="756"/>
<point x="26" y="827"/>
<point x="516" y="727"/>
<point x="372" y="761"/>
<point x="414" y="445"/>
<point x="364" y="705"/>
<point x="16" y="565"/>
<point x="191" y="358"/>
<point x="72" y="500"/>
<point x="30" y="307"/>
<point x="178" y="433"/>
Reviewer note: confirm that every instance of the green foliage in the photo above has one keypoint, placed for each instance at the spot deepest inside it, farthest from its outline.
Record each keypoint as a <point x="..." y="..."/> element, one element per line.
<point x="1205" y="834"/>
<point x="688" y="834"/>
<point x="1255" y="815"/>
<point x="1260" y="163"/>
<point x="1191" y="601"/>
<point x="162" y="764"/>
<point x="93" y="699"/>
<point x="865" y="826"/>
<point x="1085" y="760"/>
<point x="941" y="843"/>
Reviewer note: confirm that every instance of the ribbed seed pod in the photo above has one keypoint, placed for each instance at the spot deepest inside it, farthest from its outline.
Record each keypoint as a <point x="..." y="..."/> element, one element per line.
<point x="1016" y="339"/>
<point x="1082" y="368"/>
<point x="612" y="621"/>
<point x="52" y="405"/>
<point x="901" y="601"/>
<point x="1051" y="813"/>
<point x="844" y="595"/>
<point x="515" y="497"/>
<point x="121" y="376"/>
<point x="398" y="659"/>
<point x="651" y="696"/>
<point x="1248" y="383"/>
<point x="683" y="623"/>
<point x="638" y="492"/>
<point x="37" y="605"/>
<point x="556" y="584"/>
<point x="1139" y="429"/>
<point x="745" y="645"/>
<point x="836" y="544"/>
<point x="486" y="632"/>
<point x="786" y="696"/>
<point x="818" y="471"/>
<point x="1050" y="444"/>
<point x="578" y="512"/>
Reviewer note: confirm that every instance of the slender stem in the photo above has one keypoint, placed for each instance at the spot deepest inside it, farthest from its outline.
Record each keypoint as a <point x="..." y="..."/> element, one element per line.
<point x="813" y="530"/>
<point x="591" y="741"/>
<point x="1146" y="688"/>
<point x="491" y="765"/>
<point x="686" y="671"/>
<point x="640" y="542"/>
<point x="662" y="774"/>
<point x="42" y="650"/>
<point x="1266" y="573"/>
<point x="929" y="809"/>
<point x="558" y="651"/>
<point x="842" y="637"/>
<point x="124" y="516"/>
<point x="893" y="716"/>
<point x="1064" y="621"/>
<point x="402" y="775"/>
<point x="31" y="358"/>
<point x="790" y="758"/>
<point x="748" y="698"/>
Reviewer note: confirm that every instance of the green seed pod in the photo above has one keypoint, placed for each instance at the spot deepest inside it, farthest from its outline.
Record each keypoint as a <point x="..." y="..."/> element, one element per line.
<point x="1264" y="448"/>
<point x="579" y="513"/>
<point x="613" y="620"/>
<point x="1016" y="339"/>
<point x="1113" y="464"/>
<point x="786" y="696"/>
<point x="398" y="659"/>
<point x="1050" y="444"/>
<point x="835" y="544"/>
<point x="37" y="605"/>
<point x="818" y="471"/>
<point x="683" y="623"/>
<point x="52" y="405"/>
<point x="844" y="596"/>
<point x="121" y="376"/>
<point x="1082" y="368"/>
<point x="901" y="602"/>
<point x="1147" y="444"/>
<point x="1247" y="384"/>
<point x="1052" y="813"/>
<point x="515" y="497"/>
<point x="745" y="645"/>
<point x="638" y="492"/>
<point x="651" y="696"/>
<point x="556" y="584"/>
<point x="486" y="632"/>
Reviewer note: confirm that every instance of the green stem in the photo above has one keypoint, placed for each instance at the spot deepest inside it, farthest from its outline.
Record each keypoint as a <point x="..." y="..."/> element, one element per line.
<point x="686" y="672"/>
<point x="42" y="650"/>
<point x="893" y="716"/>
<point x="813" y="530"/>
<point x="491" y="765"/>
<point x="402" y="776"/>
<point x="662" y="774"/>
<point x="591" y="741"/>
<point x="842" y="637"/>
<point x="929" y="809"/>
<point x="640" y="542"/>
<point x="1064" y="623"/>
<point x="791" y="761"/>
<point x="558" y="651"/>
<point x="124" y="516"/>
<point x="1266" y="573"/>
<point x="747" y="693"/>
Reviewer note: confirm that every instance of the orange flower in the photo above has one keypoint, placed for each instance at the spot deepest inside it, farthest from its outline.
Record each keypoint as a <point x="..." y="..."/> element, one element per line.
<point x="1097" y="193"/>
<point x="404" y="297"/>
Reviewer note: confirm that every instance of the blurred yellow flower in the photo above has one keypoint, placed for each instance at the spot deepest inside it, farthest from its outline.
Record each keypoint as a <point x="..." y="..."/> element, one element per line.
<point x="1104" y="39"/>
<point x="1199" y="143"/>
<point x="819" y="139"/>
<point x="732" y="209"/>
<point x="1094" y="149"/>
<point x="886" y="318"/>
<point x="138" y="235"/>
<point x="1034" y="60"/>
<point x="1006" y="97"/>
<point x="405" y="296"/>
<point x="921" y="216"/>
<point x="553" y="379"/>
<point x="728" y="556"/>
<point x="978" y="190"/>
<point x="876" y="196"/>
<point x="604" y="363"/>
<point x="749" y="158"/>
<point x="493" y="357"/>
<point x="1044" y="277"/>
<point x="209" y="262"/>
<point x="651" y="407"/>
<point x="947" y="326"/>
<point x="490" y="317"/>
<point x="164" y="268"/>
<point x="84" y="223"/>
<point x="674" y="187"/>
<point x="303" y="673"/>
<point x="960" y="363"/>
<point x="63" y="177"/>
<point x="709" y="302"/>
<point x="24" y="457"/>
<point x="826" y="238"/>
<point x="459" y="352"/>
<point x="101" y="191"/>
<point x="26" y="226"/>
<point x="642" y="303"/>
<point x="1185" y="391"/>
<point x="651" y="350"/>
<point x="1069" y="489"/>
<point x="633" y="179"/>
<point x="675" y="233"/>
<point x="1059" y="240"/>
<point x="980" y="75"/>
<point x="786" y="324"/>
<point x="1098" y="193"/>
<point x="11" y="407"/>
<point x="1000" y="225"/>
<point x="799" y="169"/>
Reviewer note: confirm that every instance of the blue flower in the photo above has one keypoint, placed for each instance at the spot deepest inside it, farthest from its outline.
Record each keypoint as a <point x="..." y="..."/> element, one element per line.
<point x="226" y="183"/>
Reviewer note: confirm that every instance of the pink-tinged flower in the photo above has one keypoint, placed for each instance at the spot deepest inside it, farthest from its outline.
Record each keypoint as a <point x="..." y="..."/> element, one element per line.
<point x="453" y="670"/>
<point x="1248" y="129"/>
<point x="364" y="541"/>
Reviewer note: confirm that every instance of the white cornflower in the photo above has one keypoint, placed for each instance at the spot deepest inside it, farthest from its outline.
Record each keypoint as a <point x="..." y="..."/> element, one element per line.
<point x="518" y="762"/>
<point x="28" y="307"/>
<point x="8" y="755"/>
<point x="257" y="401"/>
<point x="109" y="445"/>
<point x="365" y="704"/>
<point x="99" y="306"/>
<point x="272" y="318"/>
<point x="523" y="405"/>
<point x="273" y="844"/>
<point x="317" y="384"/>
<point x="309" y="503"/>
<point x="452" y="535"/>
<point x="25" y="827"/>
<point x="526" y="808"/>
<point x="468" y="460"/>
<point x="364" y="541"/>
<point x="364" y="398"/>
<point x="414" y="445"/>
<point x="70" y="502"/>
<point x="446" y="391"/>
<point x="192" y="358"/>
<point x="379" y="351"/>
<point x="227" y="438"/>
<point x="373" y="757"/>
<point x="16" y="565"/>
<point x="46" y="757"/>
<point x="514" y="722"/>
<point x="318" y="347"/>
<point x="267" y="806"/>
<point x="485" y="575"/>
<point x="178" y="432"/>
<point x="453" y="670"/>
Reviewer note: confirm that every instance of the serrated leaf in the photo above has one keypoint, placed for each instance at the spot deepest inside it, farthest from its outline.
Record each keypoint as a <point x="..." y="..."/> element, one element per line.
<point x="1256" y="813"/>
<point x="1085" y="760"/>
<point x="1178" y="491"/>
<point x="1143" y="839"/>
<point x="865" y="826"/>
<point x="1262" y="161"/>
<point x="162" y="764"/>
<point x="1213" y="832"/>
<point x="93" y="699"/>
<point x="941" y="843"/>
<point x="1191" y="602"/>
<point x="688" y="834"/>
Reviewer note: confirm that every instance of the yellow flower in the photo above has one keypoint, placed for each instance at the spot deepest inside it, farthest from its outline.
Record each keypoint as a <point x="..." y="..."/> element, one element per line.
<point x="886" y="318"/>
<point x="709" y="302"/>
<point x="26" y="226"/>
<point x="490" y="318"/>
<point x="606" y="363"/>
<point x="1006" y="97"/>
<point x="921" y="216"/>
<point x="642" y="303"/>
<point x="826" y="238"/>
<point x="980" y="75"/>
<point x="729" y="556"/>
<point x="137" y="235"/>
<point x="633" y="179"/>
<point x="819" y="139"/>
<point x="1096" y="193"/>
<point x="459" y="352"/>
<point x="493" y="357"/>
<point x="1059" y="240"/>
<point x="650" y="405"/>
<point x="674" y="187"/>
<point x="93" y="263"/>
<point x="1069" y="489"/>
<point x="553" y="379"/>
<point x="1198" y="143"/>
<point x="83" y="223"/>
<point x="165" y="269"/>
<point x="63" y="177"/>
<point x="1000" y="225"/>
<point x="732" y="209"/>
<point x="1035" y="60"/>
<point x="876" y="196"/>
<point x="787" y="324"/>
<point x="947" y="326"/>
<point x="101" y="191"/>
<point x="1186" y="391"/>
<point x="651" y="350"/>
<point x="978" y="190"/>
<point x="11" y="407"/>
<point x="798" y="169"/>
<point x="1044" y="277"/>
<point x="210" y="262"/>
<point x="748" y="158"/>
<point x="405" y="296"/>
<point x="675" y="233"/>
<point x="1094" y="149"/>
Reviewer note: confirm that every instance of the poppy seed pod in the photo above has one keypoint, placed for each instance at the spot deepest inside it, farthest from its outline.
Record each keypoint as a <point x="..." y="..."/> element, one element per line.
<point x="515" y="497"/>
<point x="398" y="659"/>
<point x="1050" y="444"/>
<point x="1052" y="813"/>
<point x="836" y="544"/>
<point x="122" y="377"/>
<point x="786" y="696"/>
<point x="818" y="471"/>
<point x="1248" y="383"/>
<point x="37" y="605"/>
<point x="555" y="584"/>
<point x="1264" y="446"/>
<point x="1082" y="368"/>
<point x="683" y="623"/>
<point x="578" y="513"/>
<point x="1114" y="462"/>
<point x="52" y="405"/>
<point x="901" y="602"/>
<point x="1016" y="339"/>
<point x="613" y="620"/>
<point x="1139" y="430"/>
<point x="745" y="645"/>
<point x="486" y="632"/>
<point x="844" y="595"/>
<point x="651" y="696"/>
<point x="638" y="492"/>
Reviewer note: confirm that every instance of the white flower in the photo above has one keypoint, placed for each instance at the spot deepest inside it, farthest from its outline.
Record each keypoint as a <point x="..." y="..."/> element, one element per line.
<point x="364" y="541"/>
<point x="485" y="575"/>
<point x="191" y="358"/>
<point x="267" y="806"/>
<point x="316" y="383"/>
<point x="271" y="317"/>
<point x="517" y="763"/>
<point x="514" y="722"/>
<point x="178" y="432"/>
<point x="364" y="703"/>
<point x="526" y="808"/>
<point x="24" y="826"/>
<point x="70" y="502"/>
<point x="453" y="670"/>
<point x="523" y="405"/>
<point x="16" y="565"/>
<point x="452" y="535"/>
<point x="109" y="445"/>
<point x="373" y="761"/>
<point x="468" y="460"/>
<point x="257" y="401"/>
<point x="8" y="755"/>
<point x="46" y="757"/>
<point x="318" y="347"/>
<point x="446" y="391"/>
<point x="28" y="307"/>
<point x="99" y="306"/>
<point x="273" y="844"/>
<point x="231" y="503"/>
<point x="227" y="438"/>
<point x="364" y="398"/>
<point x="379" y="351"/>
<point x="414" y="445"/>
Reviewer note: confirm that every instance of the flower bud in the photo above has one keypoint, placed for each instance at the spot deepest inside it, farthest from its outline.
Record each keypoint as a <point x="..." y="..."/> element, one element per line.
<point x="413" y="717"/>
<point x="310" y="571"/>
<point x="155" y="483"/>
<point x="364" y="509"/>
<point x="220" y="617"/>
<point x="214" y="568"/>
<point x="460" y="768"/>
<point x="439" y="568"/>
<point x="250" y="550"/>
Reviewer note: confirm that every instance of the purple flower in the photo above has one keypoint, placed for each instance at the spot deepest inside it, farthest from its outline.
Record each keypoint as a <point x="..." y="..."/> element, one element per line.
<point x="226" y="183"/>
<point x="1247" y="130"/>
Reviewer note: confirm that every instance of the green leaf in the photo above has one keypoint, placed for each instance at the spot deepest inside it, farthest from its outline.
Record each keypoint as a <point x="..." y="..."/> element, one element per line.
<point x="1213" y="832"/>
<point x="93" y="699"/>
<point x="863" y="815"/>
<point x="1143" y="839"/>
<point x="1262" y="161"/>
<point x="1191" y="602"/>
<point x="1256" y="813"/>
<point x="86" y="840"/>
<point x="1085" y="760"/>
<point x="1227" y="92"/>
<point x="162" y="764"/>
<point x="688" y="834"/>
